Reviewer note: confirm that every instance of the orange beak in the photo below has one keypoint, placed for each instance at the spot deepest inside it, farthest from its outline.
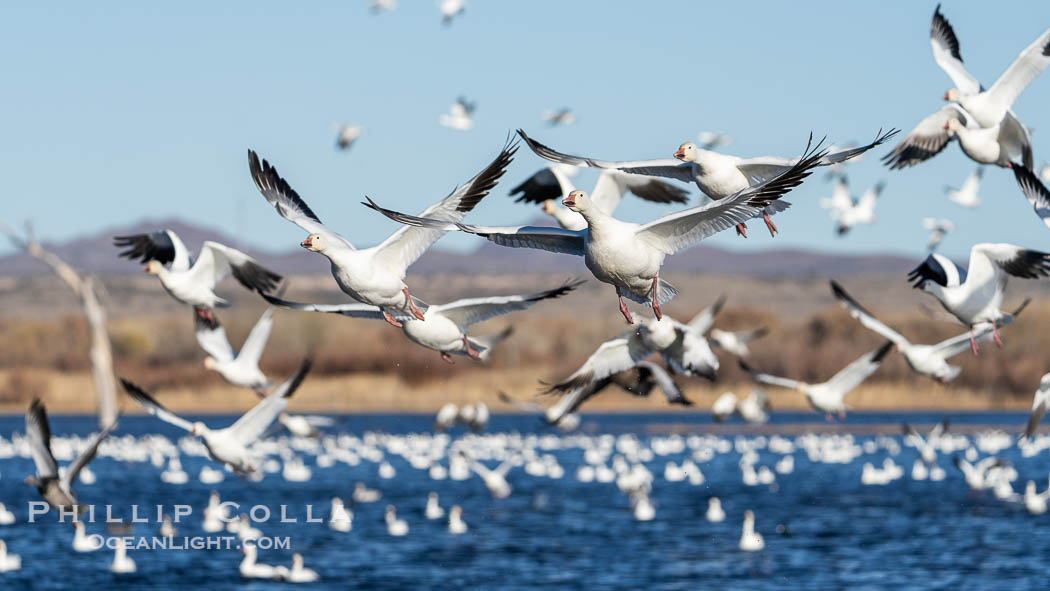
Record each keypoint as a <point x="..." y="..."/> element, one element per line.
<point x="146" y="268"/>
<point x="568" y="202"/>
<point x="679" y="154"/>
<point x="946" y="124"/>
<point x="306" y="243"/>
<point x="945" y="95"/>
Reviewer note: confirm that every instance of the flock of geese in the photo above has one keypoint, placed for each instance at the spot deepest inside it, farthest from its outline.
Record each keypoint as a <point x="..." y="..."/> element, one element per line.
<point x="626" y="256"/>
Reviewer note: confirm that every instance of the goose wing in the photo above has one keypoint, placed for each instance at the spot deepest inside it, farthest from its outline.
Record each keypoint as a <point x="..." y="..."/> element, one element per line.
<point x="1029" y="63"/>
<point x="927" y="139"/>
<point x="945" y="46"/>
<point x="86" y="455"/>
<point x="153" y="407"/>
<point x="772" y="380"/>
<point x="853" y="374"/>
<point x="38" y="431"/>
<point x="1039" y="405"/>
<point x="253" y="346"/>
<point x="1034" y="191"/>
<point x="867" y="319"/>
<point x="613" y="356"/>
<point x="164" y="246"/>
<point x="663" y="167"/>
<point x="469" y="311"/>
<point x="217" y="261"/>
<point x="253" y="423"/>
<point x="351" y="310"/>
<point x="211" y="336"/>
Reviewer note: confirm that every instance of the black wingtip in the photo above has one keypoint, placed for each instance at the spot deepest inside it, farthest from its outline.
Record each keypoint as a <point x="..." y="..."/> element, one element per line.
<point x="882" y="352"/>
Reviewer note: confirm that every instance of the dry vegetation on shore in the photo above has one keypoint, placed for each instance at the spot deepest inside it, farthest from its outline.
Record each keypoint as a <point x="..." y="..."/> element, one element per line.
<point x="368" y="366"/>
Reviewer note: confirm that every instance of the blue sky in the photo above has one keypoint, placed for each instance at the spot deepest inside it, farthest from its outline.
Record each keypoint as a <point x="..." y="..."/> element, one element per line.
<point x="114" y="112"/>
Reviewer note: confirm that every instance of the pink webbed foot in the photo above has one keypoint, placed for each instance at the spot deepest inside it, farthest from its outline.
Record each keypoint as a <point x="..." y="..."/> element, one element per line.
<point x="447" y="358"/>
<point x="471" y="352"/>
<point x="769" y="224"/>
<point x="995" y="335"/>
<point x="390" y="319"/>
<point x="412" y="305"/>
<point x="973" y="343"/>
<point x="656" y="299"/>
<point x="623" y="307"/>
<point x="741" y="230"/>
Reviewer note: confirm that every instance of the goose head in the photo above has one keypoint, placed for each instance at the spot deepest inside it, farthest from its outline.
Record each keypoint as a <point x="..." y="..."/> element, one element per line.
<point x="199" y="428"/>
<point x="209" y="362"/>
<point x="952" y="126"/>
<point x="548" y="207"/>
<point x="314" y="242"/>
<point x="687" y="152"/>
<point x="952" y="95"/>
<point x="154" y="267"/>
<point x="32" y="481"/>
<point x="297" y="561"/>
<point x="577" y="201"/>
<point x="947" y="373"/>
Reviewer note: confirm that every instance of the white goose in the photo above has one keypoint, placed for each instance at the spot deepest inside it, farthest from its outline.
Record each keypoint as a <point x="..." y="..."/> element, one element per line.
<point x="755" y="408"/>
<point x="927" y="447"/>
<point x="451" y="9"/>
<point x="250" y="569"/>
<point x="717" y="175"/>
<point x="6" y="516"/>
<point x="340" y="518"/>
<point x="709" y="140"/>
<point x="192" y="282"/>
<point x="122" y="563"/>
<point x="83" y="542"/>
<point x="394" y="526"/>
<point x="556" y="117"/>
<point x="552" y="183"/>
<point x="298" y="573"/>
<point x="736" y="342"/>
<point x="939" y="228"/>
<point x="827" y="397"/>
<point x="238" y="368"/>
<point x="1035" y="192"/>
<point x="993" y="134"/>
<point x="724" y="406"/>
<point x="495" y="479"/>
<point x="626" y="255"/>
<point x="8" y="562"/>
<point x="715" y="513"/>
<point x="639" y="381"/>
<point x="750" y="540"/>
<point x="433" y="510"/>
<point x="966" y="195"/>
<point x="850" y="212"/>
<point x="927" y="360"/>
<point x="973" y="296"/>
<point x="456" y="525"/>
<point x="458" y="116"/>
<point x="446" y="326"/>
<point x="376" y="275"/>
<point x="347" y="134"/>
<point x="229" y="445"/>
<point x="568" y="422"/>
<point x="1040" y="402"/>
<point x="54" y="487"/>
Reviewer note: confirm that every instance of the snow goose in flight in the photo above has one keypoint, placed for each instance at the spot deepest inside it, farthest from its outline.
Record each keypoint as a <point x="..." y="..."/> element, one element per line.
<point x="736" y="342"/>
<point x="379" y="6"/>
<point x="229" y="445"/>
<point x="192" y="281"/>
<point x="724" y="406"/>
<point x="993" y="133"/>
<point x="238" y="368"/>
<point x="552" y="183"/>
<point x="1039" y="405"/>
<point x="626" y="255"/>
<point x="927" y="447"/>
<point x="347" y="134"/>
<point x="848" y="212"/>
<point x="927" y="360"/>
<point x="563" y="116"/>
<point x="639" y="380"/>
<point x="568" y="422"/>
<point x="56" y="488"/>
<point x="827" y="397"/>
<point x="445" y="328"/>
<point x="938" y="228"/>
<point x="1035" y="192"/>
<point x="966" y="195"/>
<point x="973" y="296"/>
<point x="717" y="175"/>
<point x="709" y="140"/>
<point x="459" y="115"/>
<point x="451" y="9"/>
<point x="376" y="275"/>
<point x="753" y="409"/>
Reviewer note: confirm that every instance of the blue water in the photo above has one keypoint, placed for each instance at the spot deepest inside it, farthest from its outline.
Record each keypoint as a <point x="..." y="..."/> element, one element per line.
<point x="564" y="534"/>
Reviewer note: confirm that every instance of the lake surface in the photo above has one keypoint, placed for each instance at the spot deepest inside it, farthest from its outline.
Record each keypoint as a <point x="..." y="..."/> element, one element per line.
<point x="823" y="528"/>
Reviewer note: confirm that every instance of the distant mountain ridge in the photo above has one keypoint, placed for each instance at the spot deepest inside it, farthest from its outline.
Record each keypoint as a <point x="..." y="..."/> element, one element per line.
<point x="96" y="254"/>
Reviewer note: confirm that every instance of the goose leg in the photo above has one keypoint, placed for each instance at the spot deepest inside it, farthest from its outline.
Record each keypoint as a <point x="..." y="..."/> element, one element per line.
<point x="205" y="314"/>
<point x="769" y="224"/>
<point x="412" y="306"/>
<point x="973" y="343"/>
<point x="391" y="319"/>
<point x="828" y="417"/>
<point x="656" y="299"/>
<point x="623" y="307"/>
<point x="447" y="358"/>
<point x="995" y="335"/>
<point x="471" y="352"/>
<point x="741" y="230"/>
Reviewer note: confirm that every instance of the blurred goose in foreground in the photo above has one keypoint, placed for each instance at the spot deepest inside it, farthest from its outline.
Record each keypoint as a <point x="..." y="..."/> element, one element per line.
<point x="629" y="256"/>
<point x="988" y="130"/>
<point x="927" y="360"/>
<point x="238" y="368"/>
<point x="939" y="228"/>
<point x="974" y="295"/>
<point x="445" y="328"/>
<point x="458" y="116"/>
<point x="1039" y="405"/>
<point x="229" y="445"/>
<point x="56" y="488"/>
<point x="551" y="184"/>
<point x="639" y="381"/>
<point x="563" y="116"/>
<point x="718" y="176"/>
<point x="376" y="275"/>
<point x="192" y="281"/>
<point x="966" y="195"/>
<point x="736" y="342"/>
<point x="1035" y="192"/>
<point x="568" y="422"/>
<point x="828" y="397"/>
<point x="754" y="409"/>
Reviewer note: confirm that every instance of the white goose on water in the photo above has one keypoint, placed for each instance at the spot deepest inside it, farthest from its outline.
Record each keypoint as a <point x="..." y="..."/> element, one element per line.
<point x="456" y="525"/>
<point x="1040" y="402"/>
<point x="718" y="176"/>
<point x="250" y="569"/>
<point x="552" y="184"/>
<point x="229" y="445"/>
<point x="298" y="573"/>
<point x="6" y="516"/>
<point x="238" y="368"/>
<point x="446" y="325"/>
<point x="974" y="295"/>
<point x="376" y="275"/>
<point x="750" y="540"/>
<point x="8" y="562"/>
<point x="433" y="510"/>
<point x="340" y="518"/>
<point x="54" y="487"/>
<point x="715" y="513"/>
<point x="987" y="129"/>
<point x="83" y="542"/>
<point x="394" y="526"/>
<point x="927" y="360"/>
<point x="828" y="397"/>
<point x="629" y="256"/>
<point x="122" y="563"/>
<point x="192" y="282"/>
